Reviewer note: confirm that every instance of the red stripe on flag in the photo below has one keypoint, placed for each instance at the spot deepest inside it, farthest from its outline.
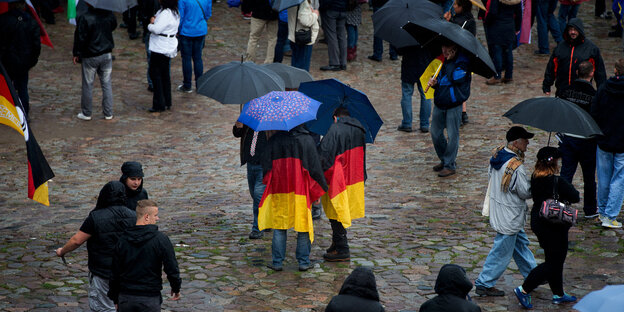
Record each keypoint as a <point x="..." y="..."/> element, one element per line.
<point x="5" y="91"/>
<point x="31" y="183"/>
<point x="288" y="176"/>
<point x="348" y="169"/>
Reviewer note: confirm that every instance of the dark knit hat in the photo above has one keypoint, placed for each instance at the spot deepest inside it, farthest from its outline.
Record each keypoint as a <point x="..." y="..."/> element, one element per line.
<point x="132" y="169"/>
<point x="516" y="132"/>
<point x="548" y="153"/>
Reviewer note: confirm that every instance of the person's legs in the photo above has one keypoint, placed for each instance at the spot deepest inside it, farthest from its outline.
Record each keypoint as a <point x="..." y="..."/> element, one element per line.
<point x="587" y="159"/>
<point x="89" y="70"/>
<point x="302" y="253"/>
<point x="453" y="121"/>
<point x="497" y="260"/>
<point x="341" y="32"/>
<point x="425" y="108"/>
<point x="255" y="31"/>
<point x="166" y="82"/>
<point x="407" y="90"/>
<point x="616" y="187"/>
<point x="522" y="254"/>
<point x="508" y="62"/>
<point x="351" y="35"/>
<point x="330" y="31"/>
<point x="271" y="32"/>
<point x="157" y="70"/>
<point x="604" y="169"/>
<point x="132" y="22"/>
<point x="438" y="123"/>
<point x="496" y="53"/>
<point x="186" y="50"/>
<point x="256" y="189"/>
<point x="278" y="247"/>
<point x="564" y="13"/>
<point x="377" y="43"/>
<point x="542" y="26"/>
<point x="569" y="160"/>
<point x="553" y="25"/>
<point x="20" y="82"/>
<point x="130" y="303"/>
<point x="198" y="63"/>
<point x="98" y="298"/>
<point x="599" y="8"/>
<point x="282" y="40"/>
<point x="105" y="70"/>
<point x="554" y="241"/>
<point x="394" y="55"/>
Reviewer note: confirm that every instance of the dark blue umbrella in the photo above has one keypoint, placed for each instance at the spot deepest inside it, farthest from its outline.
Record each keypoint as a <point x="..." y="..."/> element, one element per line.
<point x="278" y="110"/>
<point x="279" y="5"/>
<point x="333" y="94"/>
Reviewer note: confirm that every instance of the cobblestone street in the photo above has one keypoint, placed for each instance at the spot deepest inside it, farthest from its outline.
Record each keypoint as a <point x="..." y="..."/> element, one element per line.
<point x="415" y="221"/>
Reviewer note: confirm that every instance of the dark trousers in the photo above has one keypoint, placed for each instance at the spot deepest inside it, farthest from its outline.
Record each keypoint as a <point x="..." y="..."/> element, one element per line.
<point x="339" y="236"/>
<point x="130" y="19"/>
<point x="334" y="27"/>
<point x="502" y="57"/>
<point x="161" y="79"/>
<point x="301" y="55"/>
<point x="20" y="82"/>
<point x="282" y="41"/>
<point x="575" y="151"/>
<point x="600" y="7"/>
<point x="44" y="8"/>
<point x="378" y="46"/>
<point x="554" y="240"/>
<point x="191" y="50"/>
<point x="130" y="303"/>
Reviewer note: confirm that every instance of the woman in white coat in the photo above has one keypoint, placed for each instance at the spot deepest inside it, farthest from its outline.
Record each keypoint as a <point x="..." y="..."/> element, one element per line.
<point x="302" y="17"/>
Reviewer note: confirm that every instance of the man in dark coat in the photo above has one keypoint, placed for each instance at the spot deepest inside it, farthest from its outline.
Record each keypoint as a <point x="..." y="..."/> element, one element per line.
<point x="414" y="62"/>
<point x="132" y="178"/>
<point x="562" y="67"/>
<point x="101" y="230"/>
<point x="140" y="255"/>
<point x="575" y="150"/>
<point x="343" y="158"/>
<point x="501" y="22"/>
<point x="452" y="287"/>
<point x="334" y="19"/>
<point x="20" y="47"/>
<point x="358" y="293"/>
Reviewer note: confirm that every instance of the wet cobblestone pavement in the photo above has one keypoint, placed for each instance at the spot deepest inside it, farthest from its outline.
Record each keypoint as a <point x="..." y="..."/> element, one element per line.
<point x="415" y="222"/>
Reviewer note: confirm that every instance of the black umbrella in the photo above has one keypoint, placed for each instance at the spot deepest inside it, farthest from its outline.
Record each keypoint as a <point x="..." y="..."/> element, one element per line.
<point x="389" y="20"/>
<point x="292" y="76"/>
<point x="554" y="115"/>
<point x="432" y="33"/>
<point x="279" y="5"/>
<point x="238" y="82"/>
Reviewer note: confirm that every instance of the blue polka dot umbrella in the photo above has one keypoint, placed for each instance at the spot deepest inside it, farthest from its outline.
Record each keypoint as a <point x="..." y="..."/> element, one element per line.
<point x="279" y="110"/>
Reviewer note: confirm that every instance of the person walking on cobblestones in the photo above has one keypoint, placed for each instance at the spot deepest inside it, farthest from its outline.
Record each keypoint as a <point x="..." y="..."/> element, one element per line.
<point x="140" y="255"/>
<point x="509" y="188"/>
<point x="132" y="178"/>
<point x="93" y="44"/>
<point x="101" y="230"/>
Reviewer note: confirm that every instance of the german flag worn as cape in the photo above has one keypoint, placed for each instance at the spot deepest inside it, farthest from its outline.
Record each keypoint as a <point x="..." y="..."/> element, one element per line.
<point x="343" y="157"/>
<point x="294" y="180"/>
<point x="12" y="115"/>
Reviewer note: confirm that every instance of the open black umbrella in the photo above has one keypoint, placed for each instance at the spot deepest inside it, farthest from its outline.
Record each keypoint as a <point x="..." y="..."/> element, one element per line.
<point x="432" y="33"/>
<point x="292" y="76"/>
<point x="389" y="20"/>
<point x="554" y="115"/>
<point x="238" y="82"/>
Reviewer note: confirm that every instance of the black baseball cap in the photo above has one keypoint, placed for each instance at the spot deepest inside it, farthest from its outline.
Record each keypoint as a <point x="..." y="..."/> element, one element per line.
<point x="516" y="132"/>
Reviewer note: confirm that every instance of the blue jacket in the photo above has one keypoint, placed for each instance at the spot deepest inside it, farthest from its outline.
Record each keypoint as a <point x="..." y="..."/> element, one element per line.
<point x="192" y="20"/>
<point x="453" y="86"/>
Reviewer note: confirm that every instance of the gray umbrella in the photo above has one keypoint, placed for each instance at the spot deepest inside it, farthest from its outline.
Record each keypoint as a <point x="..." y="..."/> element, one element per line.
<point x="238" y="82"/>
<point x="292" y="76"/>
<point x="112" y="5"/>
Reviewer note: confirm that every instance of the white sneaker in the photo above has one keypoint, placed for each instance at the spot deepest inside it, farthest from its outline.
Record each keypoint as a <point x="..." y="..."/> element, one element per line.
<point x="81" y="116"/>
<point x="108" y="117"/>
<point x="602" y="218"/>
<point x="181" y="88"/>
<point x="614" y="224"/>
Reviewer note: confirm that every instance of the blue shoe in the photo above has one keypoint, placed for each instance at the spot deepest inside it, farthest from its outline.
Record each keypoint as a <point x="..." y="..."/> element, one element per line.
<point x="524" y="299"/>
<point x="563" y="299"/>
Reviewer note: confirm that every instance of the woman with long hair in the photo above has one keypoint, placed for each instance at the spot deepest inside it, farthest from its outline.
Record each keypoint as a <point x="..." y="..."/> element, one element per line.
<point x="163" y="46"/>
<point x="553" y="238"/>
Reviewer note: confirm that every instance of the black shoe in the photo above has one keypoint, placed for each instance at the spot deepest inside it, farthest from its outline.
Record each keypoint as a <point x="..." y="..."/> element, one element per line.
<point x="133" y="36"/>
<point x="331" y="67"/>
<point x="154" y="110"/>
<point x="404" y="129"/>
<point x="255" y="235"/>
<point x="275" y="268"/>
<point x="373" y="58"/>
<point x="464" y="118"/>
<point x="343" y="67"/>
<point x="150" y="88"/>
<point x="304" y="267"/>
<point x="492" y="292"/>
<point x="540" y="53"/>
<point x="336" y="256"/>
<point x="394" y="58"/>
<point x="424" y="129"/>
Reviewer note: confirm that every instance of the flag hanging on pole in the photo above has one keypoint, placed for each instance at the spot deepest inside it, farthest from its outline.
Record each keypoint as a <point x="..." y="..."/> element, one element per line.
<point x="45" y="39"/>
<point x="12" y="115"/>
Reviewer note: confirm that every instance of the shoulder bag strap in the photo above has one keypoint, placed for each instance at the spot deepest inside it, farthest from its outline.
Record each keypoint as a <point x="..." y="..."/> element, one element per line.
<point x="297" y="17"/>
<point x="202" y="9"/>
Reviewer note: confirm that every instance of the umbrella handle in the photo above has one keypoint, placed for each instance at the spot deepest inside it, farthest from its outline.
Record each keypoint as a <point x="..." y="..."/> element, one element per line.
<point x="435" y="76"/>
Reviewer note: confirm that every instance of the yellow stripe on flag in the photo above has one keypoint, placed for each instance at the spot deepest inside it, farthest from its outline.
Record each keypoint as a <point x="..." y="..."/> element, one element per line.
<point x="427" y="74"/>
<point x="41" y="194"/>
<point x="283" y="211"/>
<point x="9" y="115"/>
<point x="345" y="206"/>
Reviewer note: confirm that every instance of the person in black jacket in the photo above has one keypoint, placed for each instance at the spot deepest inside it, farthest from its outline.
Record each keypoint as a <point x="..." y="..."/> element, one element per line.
<point x="263" y="19"/>
<point x="132" y="178"/>
<point x="101" y="230"/>
<point x="608" y="112"/>
<point x="575" y="150"/>
<point x="562" y="67"/>
<point x="452" y="287"/>
<point x="357" y="294"/>
<point x="140" y="255"/>
<point x="93" y="44"/>
<point x="20" y="47"/>
<point x="501" y="22"/>
<point x="553" y="238"/>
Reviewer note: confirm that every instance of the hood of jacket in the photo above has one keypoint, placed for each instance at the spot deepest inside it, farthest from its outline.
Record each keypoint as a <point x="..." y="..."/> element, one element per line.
<point x="578" y="24"/>
<point x="452" y="280"/>
<point x="615" y="86"/>
<point x="112" y="194"/>
<point x="361" y="283"/>
<point x="352" y="122"/>
<point x="500" y="158"/>
<point x="139" y="234"/>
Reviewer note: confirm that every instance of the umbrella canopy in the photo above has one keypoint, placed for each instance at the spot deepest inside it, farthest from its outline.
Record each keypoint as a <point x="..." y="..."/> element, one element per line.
<point x="432" y="33"/>
<point x="238" y="82"/>
<point x="113" y="5"/>
<point x="388" y="20"/>
<point x="278" y="111"/>
<point x="608" y="299"/>
<point x="279" y="5"/>
<point x="333" y="94"/>
<point x="554" y="115"/>
<point x="292" y="76"/>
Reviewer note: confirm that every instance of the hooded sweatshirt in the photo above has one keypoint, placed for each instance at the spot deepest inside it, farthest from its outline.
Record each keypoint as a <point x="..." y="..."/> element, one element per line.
<point x="358" y="293"/>
<point x="563" y="64"/>
<point x="452" y="287"/>
<point x="133" y="169"/>
<point x="608" y="111"/>
<point x="140" y="255"/>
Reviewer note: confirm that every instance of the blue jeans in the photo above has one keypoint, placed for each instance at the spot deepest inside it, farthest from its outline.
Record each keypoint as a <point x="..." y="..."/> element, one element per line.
<point x="502" y="57"/>
<point x="566" y="13"/>
<point x="378" y="45"/>
<point x="301" y="55"/>
<point x="506" y="246"/>
<point x="281" y="45"/>
<point x="352" y="36"/>
<point x="610" y="168"/>
<point x="191" y="50"/>
<point x="406" y="105"/>
<point x="546" y="21"/>
<point x="278" y="248"/>
<point x="449" y="119"/>
<point x="256" y="189"/>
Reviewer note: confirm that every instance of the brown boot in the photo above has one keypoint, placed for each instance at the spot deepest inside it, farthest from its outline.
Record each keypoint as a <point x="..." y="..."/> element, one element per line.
<point x="350" y="56"/>
<point x="492" y="81"/>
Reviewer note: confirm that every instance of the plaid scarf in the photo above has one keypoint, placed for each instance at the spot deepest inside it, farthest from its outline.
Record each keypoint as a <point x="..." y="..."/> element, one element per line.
<point x="512" y="165"/>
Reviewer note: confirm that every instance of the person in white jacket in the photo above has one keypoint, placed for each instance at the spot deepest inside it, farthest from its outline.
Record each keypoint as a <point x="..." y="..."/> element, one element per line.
<point x="509" y="187"/>
<point x="302" y="17"/>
